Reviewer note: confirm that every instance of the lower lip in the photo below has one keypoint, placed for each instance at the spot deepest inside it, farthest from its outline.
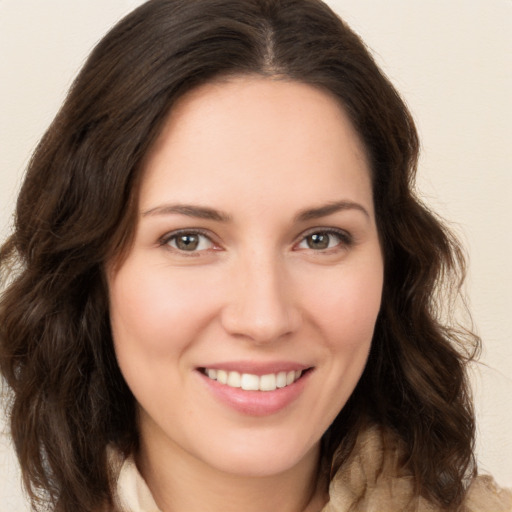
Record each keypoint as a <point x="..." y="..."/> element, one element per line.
<point x="256" y="403"/>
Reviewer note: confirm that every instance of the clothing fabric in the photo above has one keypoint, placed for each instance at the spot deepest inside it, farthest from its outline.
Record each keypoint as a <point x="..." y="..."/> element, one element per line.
<point x="370" y="480"/>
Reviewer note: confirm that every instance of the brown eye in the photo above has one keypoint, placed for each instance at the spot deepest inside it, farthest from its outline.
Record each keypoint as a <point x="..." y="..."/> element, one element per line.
<point x="325" y="240"/>
<point x="189" y="242"/>
<point x="318" y="241"/>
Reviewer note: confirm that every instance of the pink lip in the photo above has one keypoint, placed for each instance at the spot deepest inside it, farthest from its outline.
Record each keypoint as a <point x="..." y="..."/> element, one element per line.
<point x="256" y="403"/>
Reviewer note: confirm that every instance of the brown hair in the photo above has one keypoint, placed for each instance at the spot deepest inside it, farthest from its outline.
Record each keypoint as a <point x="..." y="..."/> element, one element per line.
<point x="76" y="211"/>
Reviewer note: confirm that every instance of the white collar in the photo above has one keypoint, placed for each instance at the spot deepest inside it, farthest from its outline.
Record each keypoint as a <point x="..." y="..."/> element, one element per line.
<point x="132" y="491"/>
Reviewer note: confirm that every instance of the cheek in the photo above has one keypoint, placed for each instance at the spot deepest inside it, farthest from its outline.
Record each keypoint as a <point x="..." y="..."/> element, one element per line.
<point x="344" y="304"/>
<point x="156" y="309"/>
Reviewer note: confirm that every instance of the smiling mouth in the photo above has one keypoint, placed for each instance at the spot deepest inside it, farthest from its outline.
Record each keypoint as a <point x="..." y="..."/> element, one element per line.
<point x="251" y="382"/>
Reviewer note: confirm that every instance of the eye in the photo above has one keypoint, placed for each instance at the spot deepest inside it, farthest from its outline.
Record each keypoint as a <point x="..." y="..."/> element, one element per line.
<point x="324" y="240"/>
<point x="188" y="241"/>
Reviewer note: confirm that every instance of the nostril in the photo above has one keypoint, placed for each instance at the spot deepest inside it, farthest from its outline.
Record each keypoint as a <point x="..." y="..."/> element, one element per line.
<point x="258" y="327"/>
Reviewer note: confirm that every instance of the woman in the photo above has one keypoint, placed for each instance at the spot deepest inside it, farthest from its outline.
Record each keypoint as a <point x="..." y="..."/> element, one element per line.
<point x="226" y="290"/>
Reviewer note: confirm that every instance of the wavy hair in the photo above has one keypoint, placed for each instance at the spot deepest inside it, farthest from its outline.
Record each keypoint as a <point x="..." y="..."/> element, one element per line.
<point x="68" y="402"/>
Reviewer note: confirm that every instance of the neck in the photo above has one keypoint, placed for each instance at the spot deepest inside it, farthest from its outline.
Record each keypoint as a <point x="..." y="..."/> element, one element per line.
<point x="180" y="482"/>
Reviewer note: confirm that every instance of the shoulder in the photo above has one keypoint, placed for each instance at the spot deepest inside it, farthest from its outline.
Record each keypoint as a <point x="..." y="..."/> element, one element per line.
<point x="373" y="479"/>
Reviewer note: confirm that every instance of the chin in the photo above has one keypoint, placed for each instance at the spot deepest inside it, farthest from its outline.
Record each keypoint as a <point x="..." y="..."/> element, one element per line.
<point x="256" y="456"/>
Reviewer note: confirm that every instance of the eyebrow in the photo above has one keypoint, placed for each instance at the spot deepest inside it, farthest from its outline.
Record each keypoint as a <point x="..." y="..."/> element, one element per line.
<point x="203" y="212"/>
<point x="200" y="212"/>
<point x="329" y="209"/>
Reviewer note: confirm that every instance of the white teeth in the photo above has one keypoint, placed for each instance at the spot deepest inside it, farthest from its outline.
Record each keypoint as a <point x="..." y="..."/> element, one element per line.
<point x="281" y="380"/>
<point x="234" y="379"/>
<point x="268" y="382"/>
<point x="250" y="382"/>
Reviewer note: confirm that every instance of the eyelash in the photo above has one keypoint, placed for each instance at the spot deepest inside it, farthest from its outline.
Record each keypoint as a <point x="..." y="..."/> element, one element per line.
<point x="169" y="237"/>
<point x="345" y="239"/>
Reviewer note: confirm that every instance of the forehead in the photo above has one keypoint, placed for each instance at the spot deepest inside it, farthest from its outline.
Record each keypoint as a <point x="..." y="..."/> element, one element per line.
<point x="271" y="138"/>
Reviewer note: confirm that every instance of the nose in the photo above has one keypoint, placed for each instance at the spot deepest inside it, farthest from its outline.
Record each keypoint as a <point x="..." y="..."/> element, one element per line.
<point x="261" y="306"/>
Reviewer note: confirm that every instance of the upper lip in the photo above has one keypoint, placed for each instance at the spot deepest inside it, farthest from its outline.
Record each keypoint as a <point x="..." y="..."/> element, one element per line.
<point x="257" y="368"/>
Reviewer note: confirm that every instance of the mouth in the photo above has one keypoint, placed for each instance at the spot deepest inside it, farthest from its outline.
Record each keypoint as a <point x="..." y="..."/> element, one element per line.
<point x="256" y="389"/>
<point x="252" y="382"/>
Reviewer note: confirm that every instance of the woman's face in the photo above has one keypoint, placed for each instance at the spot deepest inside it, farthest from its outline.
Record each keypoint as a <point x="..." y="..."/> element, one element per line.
<point x="243" y="314"/>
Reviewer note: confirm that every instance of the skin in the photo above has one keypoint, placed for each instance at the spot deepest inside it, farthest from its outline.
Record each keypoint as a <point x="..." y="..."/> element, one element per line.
<point x="271" y="158"/>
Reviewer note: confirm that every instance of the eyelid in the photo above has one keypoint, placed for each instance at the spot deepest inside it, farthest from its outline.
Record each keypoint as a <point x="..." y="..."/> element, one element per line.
<point x="346" y="238"/>
<point x="165" y="239"/>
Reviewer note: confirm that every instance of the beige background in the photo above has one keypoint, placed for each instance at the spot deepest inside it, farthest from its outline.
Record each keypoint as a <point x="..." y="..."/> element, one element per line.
<point x="451" y="61"/>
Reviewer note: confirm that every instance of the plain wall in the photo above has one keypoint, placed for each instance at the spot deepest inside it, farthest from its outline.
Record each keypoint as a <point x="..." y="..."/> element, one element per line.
<point x="452" y="63"/>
